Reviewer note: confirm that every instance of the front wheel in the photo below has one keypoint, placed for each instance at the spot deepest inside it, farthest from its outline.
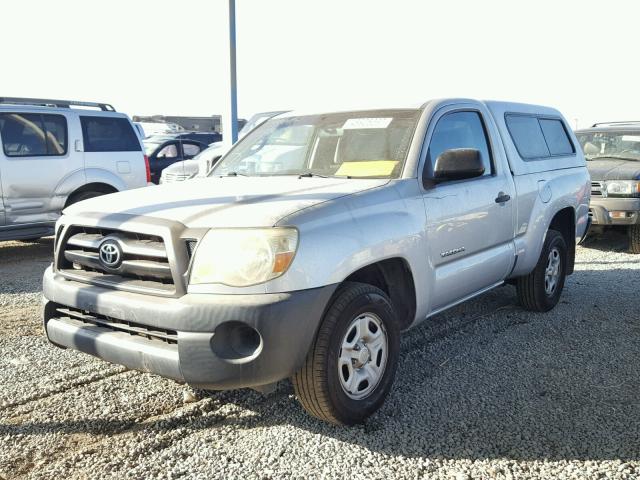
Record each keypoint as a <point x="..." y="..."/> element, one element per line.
<point x="634" y="238"/>
<point x="540" y="290"/>
<point x="350" y="368"/>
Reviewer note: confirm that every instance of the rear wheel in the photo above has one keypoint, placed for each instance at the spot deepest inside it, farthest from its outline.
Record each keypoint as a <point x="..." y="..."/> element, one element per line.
<point x="351" y="366"/>
<point x="634" y="238"/>
<point x="540" y="290"/>
<point x="79" y="197"/>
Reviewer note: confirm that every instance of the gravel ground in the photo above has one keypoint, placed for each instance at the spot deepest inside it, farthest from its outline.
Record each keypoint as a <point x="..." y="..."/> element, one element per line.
<point x="485" y="390"/>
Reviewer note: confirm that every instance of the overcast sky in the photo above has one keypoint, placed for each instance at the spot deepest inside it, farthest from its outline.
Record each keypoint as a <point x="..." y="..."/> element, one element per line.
<point x="169" y="57"/>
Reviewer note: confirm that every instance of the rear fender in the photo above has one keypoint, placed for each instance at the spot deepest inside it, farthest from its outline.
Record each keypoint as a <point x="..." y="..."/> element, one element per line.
<point x="98" y="175"/>
<point x="539" y="200"/>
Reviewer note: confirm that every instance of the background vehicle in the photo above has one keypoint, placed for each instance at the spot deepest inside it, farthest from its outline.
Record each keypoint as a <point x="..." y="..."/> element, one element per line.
<point x="159" y="128"/>
<point x="186" y="169"/>
<point x="612" y="151"/>
<point x="54" y="155"/>
<point x="139" y="130"/>
<point x="315" y="241"/>
<point x="205" y="138"/>
<point x="210" y="124"/>
<point x="203" y="162"/>
<point x="162" y="153"/>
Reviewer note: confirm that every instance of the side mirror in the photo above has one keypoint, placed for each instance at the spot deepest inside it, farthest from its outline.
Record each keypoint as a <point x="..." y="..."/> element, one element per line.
<point x="458" y="164"/>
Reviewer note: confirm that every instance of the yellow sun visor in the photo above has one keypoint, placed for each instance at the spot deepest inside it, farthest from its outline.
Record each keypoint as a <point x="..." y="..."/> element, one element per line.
<point x="368" y="168"/>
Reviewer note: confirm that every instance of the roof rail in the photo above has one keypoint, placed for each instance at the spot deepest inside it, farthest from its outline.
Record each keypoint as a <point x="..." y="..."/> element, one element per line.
<point x="47" y="102"/>
<point x="629" y="122"/>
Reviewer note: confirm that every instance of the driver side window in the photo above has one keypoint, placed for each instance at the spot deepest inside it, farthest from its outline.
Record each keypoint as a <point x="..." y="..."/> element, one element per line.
<point x="169" y="151"/>
<point x="459" y="130"/>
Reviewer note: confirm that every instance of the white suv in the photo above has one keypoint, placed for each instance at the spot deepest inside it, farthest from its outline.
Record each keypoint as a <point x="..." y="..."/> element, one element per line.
<point x="54" y="155"/>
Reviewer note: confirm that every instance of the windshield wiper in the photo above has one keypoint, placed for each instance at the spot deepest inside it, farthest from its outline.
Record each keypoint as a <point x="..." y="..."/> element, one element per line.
<point x="614" y="157"/>
<point x="234" y="174"/>
<point x="311" y="174"/>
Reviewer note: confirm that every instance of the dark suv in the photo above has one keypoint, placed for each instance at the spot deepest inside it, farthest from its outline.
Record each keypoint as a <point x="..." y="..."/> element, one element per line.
<point x="165" y="150"/>
<point x="612" y="151"/>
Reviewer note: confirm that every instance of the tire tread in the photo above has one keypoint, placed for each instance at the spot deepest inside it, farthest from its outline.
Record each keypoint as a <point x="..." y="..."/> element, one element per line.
<point x="526" y="286"/>
<point x="634" y="238"/>
<point x="309" y="383"/>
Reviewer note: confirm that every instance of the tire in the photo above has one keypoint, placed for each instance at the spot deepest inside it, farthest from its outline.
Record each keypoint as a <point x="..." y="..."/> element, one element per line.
<point x="78" y="197"/>
<point x="319" y="383"/>
<point x="634" y="238"/>
<point x="532" y="289"/>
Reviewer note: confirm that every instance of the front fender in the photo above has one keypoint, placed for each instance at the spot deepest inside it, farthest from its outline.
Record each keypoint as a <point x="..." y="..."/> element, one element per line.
<point x="356" y="231"/>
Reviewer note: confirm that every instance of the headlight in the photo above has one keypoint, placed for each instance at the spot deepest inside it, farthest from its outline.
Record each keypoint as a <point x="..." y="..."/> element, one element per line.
<point x="622" y="188"/>
<point x="240" y="257"/>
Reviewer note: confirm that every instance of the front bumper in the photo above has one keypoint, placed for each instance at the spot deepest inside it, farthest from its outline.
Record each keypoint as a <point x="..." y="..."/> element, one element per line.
<point x="286" y="324"/>
<point x="600" y="208"/>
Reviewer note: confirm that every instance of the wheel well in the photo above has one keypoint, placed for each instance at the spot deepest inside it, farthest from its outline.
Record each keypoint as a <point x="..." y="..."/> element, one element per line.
<point x="394" y="277"/>
<point x="91" y="187"/>
<point x="565" y="222"/>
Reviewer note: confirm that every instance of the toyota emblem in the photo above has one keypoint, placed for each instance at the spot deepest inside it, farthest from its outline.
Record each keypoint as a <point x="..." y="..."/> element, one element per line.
<point x="110" y="254"/>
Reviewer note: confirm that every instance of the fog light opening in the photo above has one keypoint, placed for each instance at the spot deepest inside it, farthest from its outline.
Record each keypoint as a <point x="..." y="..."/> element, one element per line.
<point x="236" y="342"/>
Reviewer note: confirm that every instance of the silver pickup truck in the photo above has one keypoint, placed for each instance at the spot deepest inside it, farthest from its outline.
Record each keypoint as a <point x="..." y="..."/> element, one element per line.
<point x="315" y="241"/>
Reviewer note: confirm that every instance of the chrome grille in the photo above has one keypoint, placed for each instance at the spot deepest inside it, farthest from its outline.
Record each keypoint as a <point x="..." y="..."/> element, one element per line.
<point x="142" y="258"/>
<point x="175" y="177"/>
<point x="596" y="188"/>
<point x="144" y="263"/>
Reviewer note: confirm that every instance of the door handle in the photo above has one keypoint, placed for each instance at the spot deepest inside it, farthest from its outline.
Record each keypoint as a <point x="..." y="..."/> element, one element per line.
<point x="503" y="197"/>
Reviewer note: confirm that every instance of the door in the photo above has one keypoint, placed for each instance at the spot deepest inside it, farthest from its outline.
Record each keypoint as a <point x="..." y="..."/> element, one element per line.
<point x="112" y="150"/>
<point x="35" y="159"/>
<point x="166" y="154"/>
<point x="469" y="222"/>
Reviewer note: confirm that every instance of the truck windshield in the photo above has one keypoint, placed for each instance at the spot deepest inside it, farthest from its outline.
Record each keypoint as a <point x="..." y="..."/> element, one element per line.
<point x="624" y="145"/>
<point x="362" y="144"/>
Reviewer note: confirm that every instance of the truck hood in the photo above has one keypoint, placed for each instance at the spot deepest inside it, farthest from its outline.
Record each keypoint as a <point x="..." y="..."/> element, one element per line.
<point x="227" y="201"/>
<point x="614" y="169"/>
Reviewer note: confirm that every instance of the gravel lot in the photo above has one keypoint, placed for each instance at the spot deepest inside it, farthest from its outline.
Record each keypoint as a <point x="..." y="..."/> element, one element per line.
<point x="485" y="390"/>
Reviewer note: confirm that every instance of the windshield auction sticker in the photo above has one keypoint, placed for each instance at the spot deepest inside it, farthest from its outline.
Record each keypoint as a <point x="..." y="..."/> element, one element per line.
<point x="361" y="123"/>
